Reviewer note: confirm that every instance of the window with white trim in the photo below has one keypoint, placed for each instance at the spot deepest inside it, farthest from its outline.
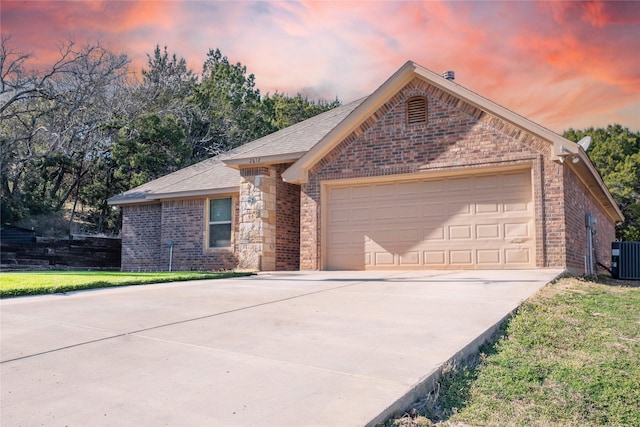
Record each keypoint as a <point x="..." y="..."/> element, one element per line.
<point x="220" y="222"/>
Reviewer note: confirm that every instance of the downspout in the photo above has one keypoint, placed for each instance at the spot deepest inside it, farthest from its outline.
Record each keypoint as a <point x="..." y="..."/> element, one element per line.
<point x="170" y="243"/>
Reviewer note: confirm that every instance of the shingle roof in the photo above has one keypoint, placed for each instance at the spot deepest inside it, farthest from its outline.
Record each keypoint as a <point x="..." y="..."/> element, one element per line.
<point x="298" y="138"/>
<point x="213" y="176"/>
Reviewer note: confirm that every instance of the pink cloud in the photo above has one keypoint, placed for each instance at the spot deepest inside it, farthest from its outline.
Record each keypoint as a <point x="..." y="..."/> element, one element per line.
<point x="558" y="63"/>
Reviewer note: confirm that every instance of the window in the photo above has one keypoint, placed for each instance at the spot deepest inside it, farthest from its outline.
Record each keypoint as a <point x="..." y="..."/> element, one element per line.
<point x="220" y="223"/>
<point x="417" y="110"/>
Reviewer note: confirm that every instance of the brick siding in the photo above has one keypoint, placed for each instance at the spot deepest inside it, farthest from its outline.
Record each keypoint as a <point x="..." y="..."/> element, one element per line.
<point x="147" y="230"/>
<point x="141" y="237"/>
<point x="456" y="136"/>
<point x="578" y="203"/>
<point x="287" y="222"/>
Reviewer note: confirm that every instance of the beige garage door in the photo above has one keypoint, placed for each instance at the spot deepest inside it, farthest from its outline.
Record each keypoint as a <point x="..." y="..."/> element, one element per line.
<point x="483" y="221"/>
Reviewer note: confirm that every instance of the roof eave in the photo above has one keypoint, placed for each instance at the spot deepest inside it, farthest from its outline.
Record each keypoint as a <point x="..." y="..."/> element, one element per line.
<point x="594" y="183"/>
<point x="237" y="163"/>
<point x="298" y="172"/>
<point x="155" y="197"/>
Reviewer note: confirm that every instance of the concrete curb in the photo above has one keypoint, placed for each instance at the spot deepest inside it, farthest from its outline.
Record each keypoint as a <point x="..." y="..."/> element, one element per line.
<point x="428" y="383"/>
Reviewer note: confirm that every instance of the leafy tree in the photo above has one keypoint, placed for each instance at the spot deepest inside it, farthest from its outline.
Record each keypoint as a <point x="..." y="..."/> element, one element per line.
<point x="284" y="111"/>
<point x="151" y="147"/>
<point x="615" y="152"/>
<point x="166" y="83"/>
<point x="229" y="106"/>
<point x="80" y="131"/>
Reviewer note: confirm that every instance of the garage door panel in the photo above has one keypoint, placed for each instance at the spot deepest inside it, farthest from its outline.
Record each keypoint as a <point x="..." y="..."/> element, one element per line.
<point x="488" y="257"/>
<point x="487" y="182"/>
<point x="520" y="179"/>
<point x="384" y="259"/>
<point x="459" y="208"/>
<point x="480" y="221"/>
<point x="487" y="207"/>
<point x="348" y="261"/>
<point x="339" y="238"/>
<point x="512" y="230"/>
<point x="406" y="211"/>
<point x="337" y="215"/>
<point x="340" y="194"/>
<point x="434" y="258"/>
<point x="517" y="256"/>
<point x="434" y="210"/>
<point x="516" y="206"/>
<point x="411" y="258"/>
<point x="460" y="232"/>
<point x="361" y="192"/>
<point x="361" y="214"/>
<point x="461" y="257"/>
<point x="435" y="233"/>
<point x="384" y="212"/>
<point x="487" y="231"/>
<point x="433" y="186"/>
<point x="409" y="188"/>
<point x="460" y="184"/>
<point x="408" y="235"/>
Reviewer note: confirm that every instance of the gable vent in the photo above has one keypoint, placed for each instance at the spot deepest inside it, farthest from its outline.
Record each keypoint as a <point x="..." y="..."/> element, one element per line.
<point x="417" y="110"/>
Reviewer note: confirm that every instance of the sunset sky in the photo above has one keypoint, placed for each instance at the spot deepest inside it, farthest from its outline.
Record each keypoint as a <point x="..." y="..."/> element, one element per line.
<point x="560" y="64"/>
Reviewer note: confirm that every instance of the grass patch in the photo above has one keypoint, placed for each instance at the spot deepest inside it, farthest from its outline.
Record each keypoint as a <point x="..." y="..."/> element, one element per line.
<point x="50" y="282"/>
<point x="570" y="356"/>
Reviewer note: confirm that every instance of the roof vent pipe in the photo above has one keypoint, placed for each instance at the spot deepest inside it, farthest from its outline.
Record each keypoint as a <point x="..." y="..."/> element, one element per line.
<point x="449" y="75"/>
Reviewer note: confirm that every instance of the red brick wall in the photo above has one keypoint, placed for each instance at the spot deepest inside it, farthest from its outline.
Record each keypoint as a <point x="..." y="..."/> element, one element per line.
<point x="183" y="222"/>
<point x="287" y="223"/>
<point x="578" y="202"/>
<point x="456" y="136"/>
<point x="141" y="237"/>
<point x="147" y="230"/>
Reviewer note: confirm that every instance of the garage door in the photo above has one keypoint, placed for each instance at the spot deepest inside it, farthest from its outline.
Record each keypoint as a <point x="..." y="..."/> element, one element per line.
<point x="482" y="221"/>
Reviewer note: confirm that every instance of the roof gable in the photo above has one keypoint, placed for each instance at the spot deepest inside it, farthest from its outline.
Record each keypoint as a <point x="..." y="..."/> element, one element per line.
<point x="561" y="147"/>
<point x="307" y="142"/>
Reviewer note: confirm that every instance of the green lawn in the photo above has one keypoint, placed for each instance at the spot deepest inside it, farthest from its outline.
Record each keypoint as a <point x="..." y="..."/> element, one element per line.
<point x="569" y="357"/>
<point x="49" y="282"/>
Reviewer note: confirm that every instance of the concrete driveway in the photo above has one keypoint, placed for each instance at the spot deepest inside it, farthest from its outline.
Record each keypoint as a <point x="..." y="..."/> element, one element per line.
<point x="290" y="349"/>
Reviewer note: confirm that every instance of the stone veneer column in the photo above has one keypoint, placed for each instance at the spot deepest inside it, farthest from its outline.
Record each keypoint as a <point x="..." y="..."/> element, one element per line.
<point x="257" y="231"/>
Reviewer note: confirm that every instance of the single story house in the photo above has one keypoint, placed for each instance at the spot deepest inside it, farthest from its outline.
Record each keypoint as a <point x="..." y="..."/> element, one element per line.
<point x="421" y="174"/>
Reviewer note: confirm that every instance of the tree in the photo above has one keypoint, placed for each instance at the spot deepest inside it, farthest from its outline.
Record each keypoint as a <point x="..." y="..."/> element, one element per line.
<point x="615" y="152"/>
<point x="52" y="124"/>
<point x="284" y="111"/>
<point x="166" y="82"/>
<point x="228" y="105"/>
<point x="151" y="147"/>
<point x="80" y="131"/>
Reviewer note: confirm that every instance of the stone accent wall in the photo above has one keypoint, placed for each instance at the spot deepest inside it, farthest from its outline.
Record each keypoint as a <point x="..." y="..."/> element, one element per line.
<point x="457" y="136"/>
<point x="147" y="230"/>
<point x="578" y="202"/>
<point x="141" y="237"/>
<point x="287" y="222"/>
<point x="257" y="232"/>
